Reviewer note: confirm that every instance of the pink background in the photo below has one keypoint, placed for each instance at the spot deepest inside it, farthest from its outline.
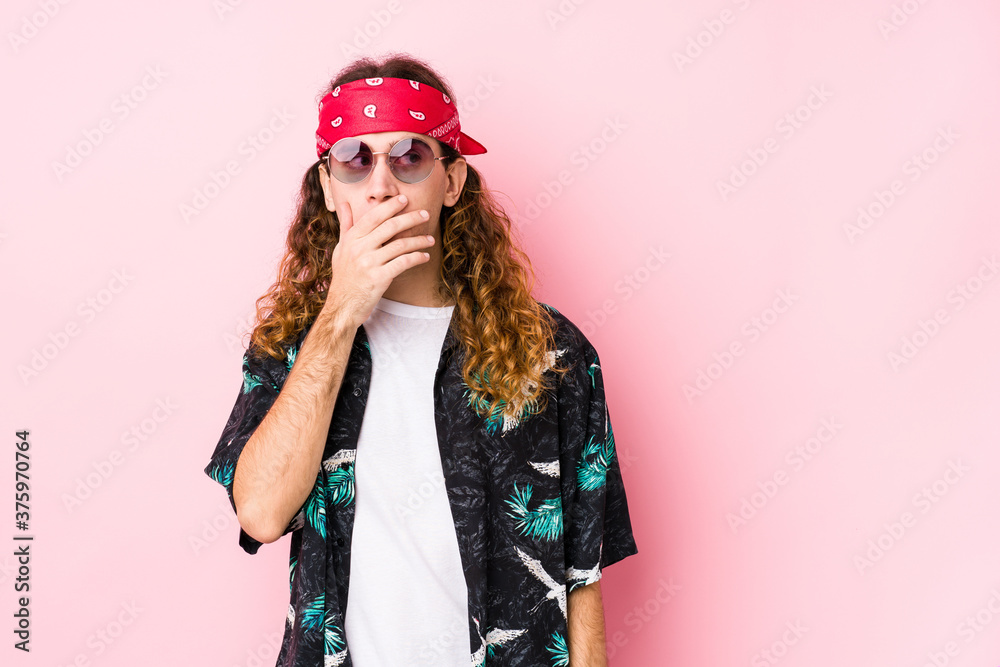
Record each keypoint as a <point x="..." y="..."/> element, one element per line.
<point x="880" y="548"/>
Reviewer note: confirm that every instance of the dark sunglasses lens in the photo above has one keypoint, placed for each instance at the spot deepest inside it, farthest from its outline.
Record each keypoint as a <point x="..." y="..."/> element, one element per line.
<point x="350" y="160"/>
<point x="411" y="160"/>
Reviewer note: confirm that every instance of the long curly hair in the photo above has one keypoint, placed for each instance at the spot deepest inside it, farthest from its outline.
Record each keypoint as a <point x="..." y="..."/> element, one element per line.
<point x="506" y="335"/>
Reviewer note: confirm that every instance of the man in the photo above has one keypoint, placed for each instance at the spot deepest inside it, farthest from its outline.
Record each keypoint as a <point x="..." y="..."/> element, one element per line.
<point x="444" y="461"/>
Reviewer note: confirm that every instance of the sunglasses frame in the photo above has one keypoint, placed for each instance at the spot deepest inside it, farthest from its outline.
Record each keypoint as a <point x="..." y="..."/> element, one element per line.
<point x="329" y="156"/>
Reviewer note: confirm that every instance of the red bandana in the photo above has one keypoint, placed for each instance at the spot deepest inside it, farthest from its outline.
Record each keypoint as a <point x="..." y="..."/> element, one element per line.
<point x="390" y="105"/>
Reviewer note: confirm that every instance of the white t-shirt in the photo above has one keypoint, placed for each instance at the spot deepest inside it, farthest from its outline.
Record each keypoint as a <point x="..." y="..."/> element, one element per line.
<point x="407" y="597"/>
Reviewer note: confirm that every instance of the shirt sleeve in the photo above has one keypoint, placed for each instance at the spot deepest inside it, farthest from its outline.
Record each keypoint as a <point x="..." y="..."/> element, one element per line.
<point x="598" y="529"/>
<point x="257" y="394"/>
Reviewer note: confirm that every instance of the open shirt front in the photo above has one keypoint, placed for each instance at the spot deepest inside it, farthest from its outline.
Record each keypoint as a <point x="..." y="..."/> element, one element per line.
<point x="538" y="502"/>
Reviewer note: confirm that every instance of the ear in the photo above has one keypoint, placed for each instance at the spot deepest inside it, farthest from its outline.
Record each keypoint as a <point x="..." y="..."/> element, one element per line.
<point x="456" y="174"/>
<point x="324" y="181"/>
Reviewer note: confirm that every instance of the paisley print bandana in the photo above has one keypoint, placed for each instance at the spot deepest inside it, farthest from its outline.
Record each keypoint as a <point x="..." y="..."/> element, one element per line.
<point x="390" y="105"/>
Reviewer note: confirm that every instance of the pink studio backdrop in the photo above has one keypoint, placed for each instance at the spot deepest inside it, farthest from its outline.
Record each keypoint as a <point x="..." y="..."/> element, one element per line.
<point x="776" y="221"/>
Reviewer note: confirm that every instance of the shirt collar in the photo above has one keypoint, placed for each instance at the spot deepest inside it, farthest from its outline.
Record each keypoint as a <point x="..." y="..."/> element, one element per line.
<point x="361" y="337"/>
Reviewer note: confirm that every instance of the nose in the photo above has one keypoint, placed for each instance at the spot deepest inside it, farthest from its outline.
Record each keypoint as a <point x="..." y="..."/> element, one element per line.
<point x="382" y="184"/>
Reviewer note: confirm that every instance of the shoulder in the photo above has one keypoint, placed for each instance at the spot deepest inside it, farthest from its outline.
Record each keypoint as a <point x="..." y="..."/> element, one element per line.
<point x="574" y="352"/>
<point x="261" y="363"/>
<point x="579" y="386"/>
<point x="570" y="340"/>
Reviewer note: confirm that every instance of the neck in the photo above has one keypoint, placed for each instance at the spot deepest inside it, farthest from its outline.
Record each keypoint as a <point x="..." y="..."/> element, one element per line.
<point x="418" y="288"/>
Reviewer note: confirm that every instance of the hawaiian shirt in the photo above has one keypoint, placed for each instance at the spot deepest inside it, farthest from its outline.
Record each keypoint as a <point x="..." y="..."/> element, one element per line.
<point x="537" y="497"/>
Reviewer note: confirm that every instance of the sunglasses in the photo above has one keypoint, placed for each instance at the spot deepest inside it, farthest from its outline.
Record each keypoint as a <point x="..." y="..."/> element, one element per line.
<point x="411" y="160"/>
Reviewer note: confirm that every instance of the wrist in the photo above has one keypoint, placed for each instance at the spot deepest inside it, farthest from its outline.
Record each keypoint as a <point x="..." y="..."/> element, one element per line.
<point x="336" y="323"/>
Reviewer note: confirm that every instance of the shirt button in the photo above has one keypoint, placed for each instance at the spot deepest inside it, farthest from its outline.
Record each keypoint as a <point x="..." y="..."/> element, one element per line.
<point x="357" y="391"/>
<point x="340" y="541"/>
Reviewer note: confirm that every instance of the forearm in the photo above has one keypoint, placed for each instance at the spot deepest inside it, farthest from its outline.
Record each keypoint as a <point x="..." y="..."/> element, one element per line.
<point x="585" y="612"/>
<point x="277" y="468"/>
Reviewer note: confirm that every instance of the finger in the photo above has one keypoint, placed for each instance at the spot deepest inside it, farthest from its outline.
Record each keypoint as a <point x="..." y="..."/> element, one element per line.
<point x="415" y="245"/>
<point x="380" y="213"/>
<point x="406" y="261"/>
<point x="346" y="218"/>
<point x="397" y="225"/>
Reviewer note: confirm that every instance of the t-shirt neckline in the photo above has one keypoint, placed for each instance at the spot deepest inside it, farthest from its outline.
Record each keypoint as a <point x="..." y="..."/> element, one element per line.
<point x="416" y="312"/>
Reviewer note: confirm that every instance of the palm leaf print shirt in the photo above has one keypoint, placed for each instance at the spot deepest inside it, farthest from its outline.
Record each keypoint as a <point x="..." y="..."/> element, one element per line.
<point x="537" y="497"/>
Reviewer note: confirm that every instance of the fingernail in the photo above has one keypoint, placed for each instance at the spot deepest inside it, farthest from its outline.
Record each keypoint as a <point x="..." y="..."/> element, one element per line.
<point x="402" y="199"/>
<point x="425" y="215"/>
